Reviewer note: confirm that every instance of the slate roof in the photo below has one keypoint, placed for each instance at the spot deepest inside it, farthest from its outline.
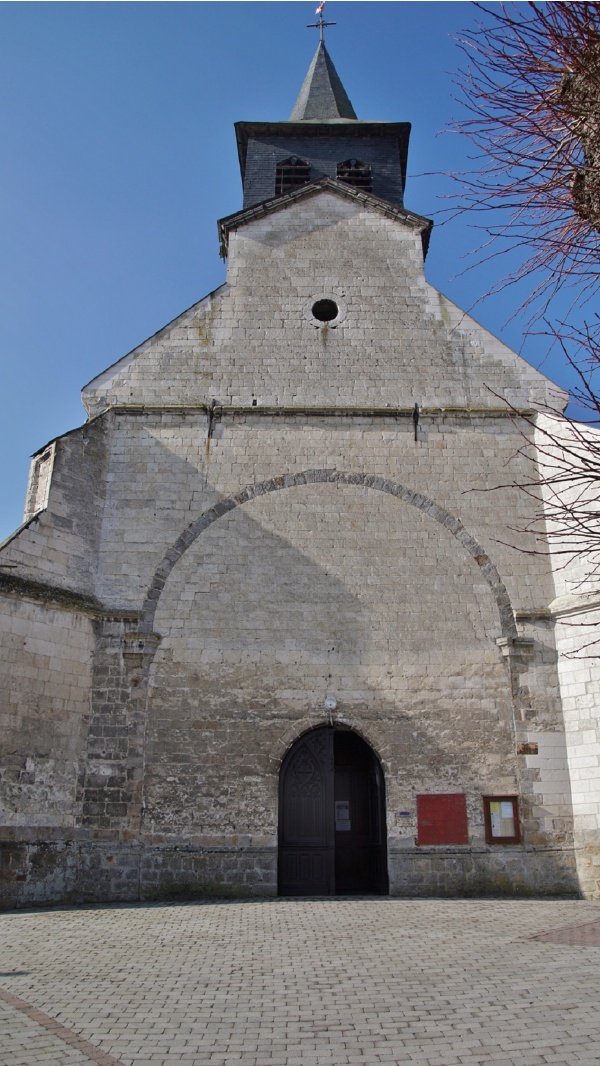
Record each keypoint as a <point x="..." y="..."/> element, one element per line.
<point x="322" y="96"/>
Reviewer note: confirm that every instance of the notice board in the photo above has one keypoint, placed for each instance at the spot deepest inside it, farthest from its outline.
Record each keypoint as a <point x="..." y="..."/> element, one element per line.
<point x="442" y="819"/>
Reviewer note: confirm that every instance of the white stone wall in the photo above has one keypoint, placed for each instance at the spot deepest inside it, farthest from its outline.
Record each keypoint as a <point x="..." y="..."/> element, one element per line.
<point x="60" y="543"/>
<point x="580" y="690"/>
<point x="315" y="590"/>
<point x="398" y="342"/>
<point x="164" y="473"/>
<point x="38" y="485"/>
<point x="45" y="690"/>
<point x="566" y="458"/>
<point x="323" y="587"/>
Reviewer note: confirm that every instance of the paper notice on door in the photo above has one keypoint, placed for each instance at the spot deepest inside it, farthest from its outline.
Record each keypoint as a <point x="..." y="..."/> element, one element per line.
<point x="342" y="816"/>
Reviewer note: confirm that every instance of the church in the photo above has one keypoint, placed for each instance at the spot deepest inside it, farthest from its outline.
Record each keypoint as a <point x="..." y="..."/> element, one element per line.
<point x="273" y="624"/>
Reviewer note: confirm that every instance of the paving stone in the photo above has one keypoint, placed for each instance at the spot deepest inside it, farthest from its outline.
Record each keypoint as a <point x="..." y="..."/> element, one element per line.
<point x="281" y="983"/>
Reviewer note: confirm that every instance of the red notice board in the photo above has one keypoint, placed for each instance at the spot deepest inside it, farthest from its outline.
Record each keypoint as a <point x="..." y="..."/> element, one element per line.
<point x="442" y="819"/>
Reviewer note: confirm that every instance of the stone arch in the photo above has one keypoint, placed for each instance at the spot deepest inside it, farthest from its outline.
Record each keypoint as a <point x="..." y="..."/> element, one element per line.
<point x="299" y="729"/>
<point x="336" y="477"/>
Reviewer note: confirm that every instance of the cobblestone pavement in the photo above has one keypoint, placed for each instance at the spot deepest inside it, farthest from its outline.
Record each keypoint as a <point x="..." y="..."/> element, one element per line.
<point x="301" y="983"/>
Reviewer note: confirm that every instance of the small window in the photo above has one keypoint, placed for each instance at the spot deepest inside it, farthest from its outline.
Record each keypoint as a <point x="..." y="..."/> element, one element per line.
<point x="355" y="172"/>
<point x="291" y="174"/>
<point x="442" y="819"/>
<point x="38" y="486"/>
<point x="501" y="815"/>
<point x="325" y="310"/>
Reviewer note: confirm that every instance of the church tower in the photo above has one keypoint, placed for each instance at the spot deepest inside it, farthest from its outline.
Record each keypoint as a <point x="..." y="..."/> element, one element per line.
<point x="267" y="629"/>
<point x="322" y="139"/>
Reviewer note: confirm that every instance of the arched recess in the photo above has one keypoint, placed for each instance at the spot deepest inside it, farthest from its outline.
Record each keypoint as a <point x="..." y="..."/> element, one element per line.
<point x="309" y="477"/>
<point x="332" y="825"/>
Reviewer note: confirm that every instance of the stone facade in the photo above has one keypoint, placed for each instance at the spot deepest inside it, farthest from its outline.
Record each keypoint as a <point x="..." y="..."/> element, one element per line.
<point x="252" y="520"/>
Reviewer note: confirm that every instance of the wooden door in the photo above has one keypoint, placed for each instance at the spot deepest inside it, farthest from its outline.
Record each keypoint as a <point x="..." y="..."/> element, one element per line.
<point x="306" y="835"/>
<point x="332" y="835"/>
<point x="359" y="808"/>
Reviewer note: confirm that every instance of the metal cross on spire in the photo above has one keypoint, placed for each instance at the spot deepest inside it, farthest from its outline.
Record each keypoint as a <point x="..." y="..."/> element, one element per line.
<point x="321" y="24"/>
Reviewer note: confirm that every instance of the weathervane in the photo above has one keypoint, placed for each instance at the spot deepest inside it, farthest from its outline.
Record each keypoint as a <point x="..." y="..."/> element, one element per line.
<point x="321" y="24"/>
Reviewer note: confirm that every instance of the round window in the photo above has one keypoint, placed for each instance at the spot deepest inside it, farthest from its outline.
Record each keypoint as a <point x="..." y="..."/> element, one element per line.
<point x="325" y="310"/>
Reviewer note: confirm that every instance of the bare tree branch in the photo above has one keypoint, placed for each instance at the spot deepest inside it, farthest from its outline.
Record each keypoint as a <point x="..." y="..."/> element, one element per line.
<point x="531" y="88"/>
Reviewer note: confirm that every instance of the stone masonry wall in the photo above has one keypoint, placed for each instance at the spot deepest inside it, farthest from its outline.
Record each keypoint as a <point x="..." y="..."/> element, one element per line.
<point x="45" y="684"/>
<point x="579" y="676"/>
<point x="575" y="614"/>
<point x="396" y="342"/>
<point x="217" y="640"/>
<point x="164" y="472"/>
<point x="309" y="591"/>
<point x="60" y="544"/>
<point x="334" y="591"/>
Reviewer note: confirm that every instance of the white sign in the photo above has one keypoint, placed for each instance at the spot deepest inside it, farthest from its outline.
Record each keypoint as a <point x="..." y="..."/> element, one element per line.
<point x="342" y="816"/>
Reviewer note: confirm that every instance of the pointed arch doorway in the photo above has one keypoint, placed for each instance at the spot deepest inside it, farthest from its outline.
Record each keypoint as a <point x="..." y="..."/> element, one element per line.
<point x="332" y="827"/>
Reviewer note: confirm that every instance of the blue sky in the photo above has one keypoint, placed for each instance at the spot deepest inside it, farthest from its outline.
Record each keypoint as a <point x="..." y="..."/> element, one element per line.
<point x="119" y="156"/>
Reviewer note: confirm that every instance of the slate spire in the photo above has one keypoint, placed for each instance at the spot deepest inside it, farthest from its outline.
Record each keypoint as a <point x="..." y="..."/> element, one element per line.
<point x="322" y="96"/>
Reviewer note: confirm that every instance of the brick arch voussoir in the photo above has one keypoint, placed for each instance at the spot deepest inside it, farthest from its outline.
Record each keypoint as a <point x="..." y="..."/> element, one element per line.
<point x="312" y="477"/>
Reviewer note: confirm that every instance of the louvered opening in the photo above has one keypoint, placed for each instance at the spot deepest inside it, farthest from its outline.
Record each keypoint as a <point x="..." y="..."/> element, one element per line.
<point x="356" y="173"/>
<point x="290" y="174"/>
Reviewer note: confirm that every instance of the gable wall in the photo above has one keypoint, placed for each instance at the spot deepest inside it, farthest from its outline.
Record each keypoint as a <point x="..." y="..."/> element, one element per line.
<point x="397" y="342"/>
